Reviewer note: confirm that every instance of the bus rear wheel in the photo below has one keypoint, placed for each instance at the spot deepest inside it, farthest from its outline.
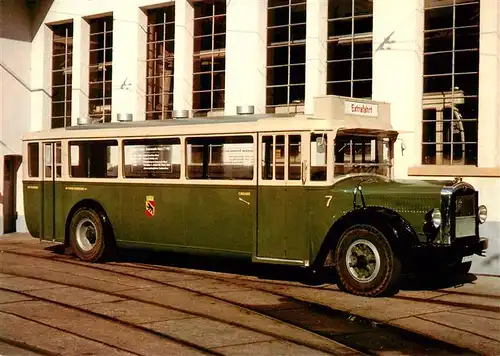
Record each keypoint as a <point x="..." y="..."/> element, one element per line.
<point x="87" y="235"/>
<point x="365" y="262"/>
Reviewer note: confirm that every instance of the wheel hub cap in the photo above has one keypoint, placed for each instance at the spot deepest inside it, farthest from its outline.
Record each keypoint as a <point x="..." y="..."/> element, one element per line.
<point x="363" y="261"/>
<point x="86" y="234"/>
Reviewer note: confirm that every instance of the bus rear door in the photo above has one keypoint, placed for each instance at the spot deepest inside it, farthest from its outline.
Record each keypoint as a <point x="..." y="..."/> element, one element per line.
<point x="51" y="172"/>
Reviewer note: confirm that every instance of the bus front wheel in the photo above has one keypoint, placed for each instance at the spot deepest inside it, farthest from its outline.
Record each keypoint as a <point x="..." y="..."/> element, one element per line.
<point x="365" y="262"/>
<point x="87" y="235"/>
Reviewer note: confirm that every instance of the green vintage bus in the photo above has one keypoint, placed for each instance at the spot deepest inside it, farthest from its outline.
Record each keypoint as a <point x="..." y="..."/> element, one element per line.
<point x="290" y="189"/>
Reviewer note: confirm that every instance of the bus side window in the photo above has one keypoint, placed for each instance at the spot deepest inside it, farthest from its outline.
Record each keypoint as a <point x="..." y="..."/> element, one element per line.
<point x="319" y="151"/>
<point x="273" y="147"/>
<point x="33" y="159"/>
<point x="279" y="173"/>
<point x="47" y="160"/>
<point x="96" y="159"/>
<point x="152" y="158"/>
<point x="267" y="157"/>
<point x="58" y="162"/>
<point x="221" y="158"/>
<point x="294" y="157"/>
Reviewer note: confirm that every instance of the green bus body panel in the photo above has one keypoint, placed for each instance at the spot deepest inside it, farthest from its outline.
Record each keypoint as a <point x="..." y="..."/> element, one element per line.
<point x="165" y="226"/>
<point x="410" y="199"/>
<point x="297" y="236"/>
<point x="226" y="223"/>
<point x="48" y="211"/>
<point x="32" y="197"/>
<point x="216" y="218"/>
<point x="281" y="222"/>
<point x="272" y="222"/>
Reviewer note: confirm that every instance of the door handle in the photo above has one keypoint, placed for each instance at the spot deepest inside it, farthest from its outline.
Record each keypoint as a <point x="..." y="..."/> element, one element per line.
<point x="304" y="171"/>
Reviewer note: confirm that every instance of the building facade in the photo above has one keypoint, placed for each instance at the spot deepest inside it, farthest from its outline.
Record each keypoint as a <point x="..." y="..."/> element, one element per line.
<point x="437" y="62"/>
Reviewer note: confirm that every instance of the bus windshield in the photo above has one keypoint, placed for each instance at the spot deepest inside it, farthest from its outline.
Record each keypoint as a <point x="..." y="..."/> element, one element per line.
<point x="362" y="154"/>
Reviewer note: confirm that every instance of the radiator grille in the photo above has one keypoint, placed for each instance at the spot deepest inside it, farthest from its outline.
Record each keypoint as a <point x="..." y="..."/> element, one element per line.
<point x="465" y="215"/>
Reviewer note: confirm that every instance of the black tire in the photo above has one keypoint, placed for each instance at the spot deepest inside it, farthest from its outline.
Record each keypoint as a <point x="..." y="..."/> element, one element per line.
<point x="88" y="235"/>
<point x="365" y="278"/>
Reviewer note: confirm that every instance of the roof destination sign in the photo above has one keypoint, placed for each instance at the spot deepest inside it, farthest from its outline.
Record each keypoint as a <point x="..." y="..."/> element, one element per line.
<point x="360" y="109"/>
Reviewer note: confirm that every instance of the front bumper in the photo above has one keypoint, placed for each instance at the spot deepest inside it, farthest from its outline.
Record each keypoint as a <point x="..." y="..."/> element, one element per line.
<point x="435" y="254"/>
<point x="482" y="246"/>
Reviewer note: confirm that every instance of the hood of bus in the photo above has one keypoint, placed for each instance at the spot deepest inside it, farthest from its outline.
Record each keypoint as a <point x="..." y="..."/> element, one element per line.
<point x="373" y="185"/>
<point x="412" y="199"/>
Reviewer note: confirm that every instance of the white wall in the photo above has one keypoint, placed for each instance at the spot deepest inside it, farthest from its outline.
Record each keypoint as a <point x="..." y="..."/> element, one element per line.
<point x="15" y="52"/>
<point x="245" y="55"/>
<point x="397" y="75"/>
<point x="398" y="72"/>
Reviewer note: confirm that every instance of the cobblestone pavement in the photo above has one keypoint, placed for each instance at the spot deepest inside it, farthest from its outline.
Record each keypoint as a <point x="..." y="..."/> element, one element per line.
<point x="51" y="303"/>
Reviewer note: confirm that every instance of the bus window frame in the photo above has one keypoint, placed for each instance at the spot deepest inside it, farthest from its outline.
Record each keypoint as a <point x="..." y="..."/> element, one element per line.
<point x="391" y="141"/>
<point x="244" y="182"/>
<point x="67" y="161"/>
<point x="305" y="138"/>
<point x="330" y="139"/>
<point x="53" y="142"/>
<point x="121" y="168"/>
<point x="27" y="154"/>
<point x="257" y="176"/>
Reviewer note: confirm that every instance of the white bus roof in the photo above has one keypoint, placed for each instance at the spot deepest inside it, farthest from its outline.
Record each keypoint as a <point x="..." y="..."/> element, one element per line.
<point x="331" y="113"/>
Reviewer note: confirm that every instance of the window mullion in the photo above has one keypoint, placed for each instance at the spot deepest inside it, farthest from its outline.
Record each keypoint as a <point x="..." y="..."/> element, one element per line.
<point x="452" y="114"/>
<point x="162" y="97"/>
<point x="212" y="61"/>
<point x="104" y="73"/>
<point x="352" y="48"/>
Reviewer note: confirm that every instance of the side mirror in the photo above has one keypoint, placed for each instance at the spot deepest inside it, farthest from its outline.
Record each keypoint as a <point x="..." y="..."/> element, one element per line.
<point x="320" y="144"/>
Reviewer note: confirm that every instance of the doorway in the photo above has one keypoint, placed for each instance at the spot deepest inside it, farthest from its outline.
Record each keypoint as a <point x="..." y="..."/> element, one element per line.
<point x="11" y="164"/>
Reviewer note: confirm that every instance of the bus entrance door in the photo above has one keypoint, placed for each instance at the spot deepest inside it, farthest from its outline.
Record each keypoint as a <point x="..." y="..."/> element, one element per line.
<point x="51" y="170"/>
<point x="280" y="225"/>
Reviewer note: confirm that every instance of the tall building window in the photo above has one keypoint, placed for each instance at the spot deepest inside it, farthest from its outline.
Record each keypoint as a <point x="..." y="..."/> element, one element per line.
<point x="350" y="36"/>
<point x="209" y="57"/>
<point x="286" y="54"/>
<point x="451" y="81"/>
<point x="100" y="68"/>
<point x="62" y="55"/>
<point x="160" y="63"/>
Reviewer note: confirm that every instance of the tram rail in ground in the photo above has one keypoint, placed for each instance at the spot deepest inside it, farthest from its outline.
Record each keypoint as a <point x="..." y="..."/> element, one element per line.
<point x="360" y="335"/>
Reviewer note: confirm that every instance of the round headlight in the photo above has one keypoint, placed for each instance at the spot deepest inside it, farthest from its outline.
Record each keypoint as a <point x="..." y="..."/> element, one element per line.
<point x="482" y="213"/>
<point x="436" y="218"/>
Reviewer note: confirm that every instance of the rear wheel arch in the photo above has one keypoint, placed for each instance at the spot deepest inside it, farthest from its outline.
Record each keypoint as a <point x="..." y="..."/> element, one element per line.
<point x="97" y="207"/>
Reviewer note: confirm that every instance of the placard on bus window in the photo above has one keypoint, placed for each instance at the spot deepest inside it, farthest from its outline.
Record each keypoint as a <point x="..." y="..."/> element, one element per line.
<point x="152" y="158"/>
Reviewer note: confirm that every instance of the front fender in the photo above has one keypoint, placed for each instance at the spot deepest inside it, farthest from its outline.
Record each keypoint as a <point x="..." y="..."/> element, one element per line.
<point x="397" y="230"/>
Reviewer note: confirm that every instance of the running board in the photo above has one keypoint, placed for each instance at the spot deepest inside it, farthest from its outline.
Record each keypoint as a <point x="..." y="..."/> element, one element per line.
<point x="283" y="261"/>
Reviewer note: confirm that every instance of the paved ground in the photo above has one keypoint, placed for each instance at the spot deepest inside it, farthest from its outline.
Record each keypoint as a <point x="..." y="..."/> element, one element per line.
<point x="54" y="304"/>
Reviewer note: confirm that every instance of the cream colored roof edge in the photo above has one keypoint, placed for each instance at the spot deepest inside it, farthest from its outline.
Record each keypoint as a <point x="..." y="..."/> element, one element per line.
<point x="297" y="123"/>
<point x="331" y="113"/>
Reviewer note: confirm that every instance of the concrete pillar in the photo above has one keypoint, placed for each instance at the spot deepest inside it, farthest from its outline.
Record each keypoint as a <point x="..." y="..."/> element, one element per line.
<point x="398" y="71"/>
<point x="80" y="70"/>
<point x="489" y="85"/>
<point x="245" y="55"/>
<point x="129" y="62"/>
<point x="316" y="51"/>
<point x="41" y="79"/>
<point x="183" y="55"/>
